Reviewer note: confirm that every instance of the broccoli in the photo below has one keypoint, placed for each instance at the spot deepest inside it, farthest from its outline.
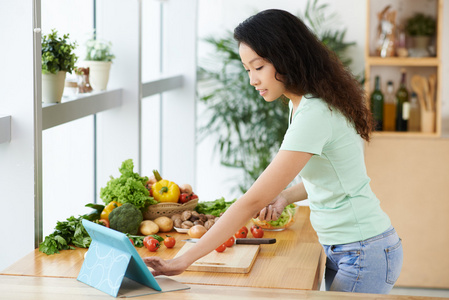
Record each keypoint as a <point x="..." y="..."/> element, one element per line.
<point x="126" y="218"/>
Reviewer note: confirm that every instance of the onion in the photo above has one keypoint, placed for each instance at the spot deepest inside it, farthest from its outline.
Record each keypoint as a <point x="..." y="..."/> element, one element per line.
<point x="197" y="231"/>
<point x="186" y="188"/>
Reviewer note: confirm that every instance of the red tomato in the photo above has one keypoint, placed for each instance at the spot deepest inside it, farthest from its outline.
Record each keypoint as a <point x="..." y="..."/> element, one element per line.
<point x="194" y="196"/>
<point x="153" y="245"/>
<point x="241" y="234"/>
<point x="252" y="228"/>
<point x="104" y="222"/>
<point x="132" y="242"/>
<point x="221" y="248"/>
<point x="169" y="241"/>
<point x="146" y="239"/>
<point x="230" y="242"/>
<point x="257" y="232"/>
<point x="245" y="229"/>
<point x="184" y="197"/>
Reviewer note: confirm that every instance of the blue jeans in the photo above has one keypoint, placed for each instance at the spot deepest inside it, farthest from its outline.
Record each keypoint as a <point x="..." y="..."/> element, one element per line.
<point x="369" y="266"/>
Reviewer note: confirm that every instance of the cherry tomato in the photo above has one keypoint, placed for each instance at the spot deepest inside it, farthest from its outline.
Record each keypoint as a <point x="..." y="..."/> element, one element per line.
<point x="132" y="242"/>
<point x="184" y="197"/>
<point x="169" y="241"/>
<point x="257" y="232"/>
<point x="245" y="229"/>
<point x="241" y="234"/>
<point x="146" y="239"/>
<point x="153" y="245"/>
<point x="230" y="242"/>
<point x="104" y="222"/>
<point x="252" y="228"/>
<point x="193" y="196"/>
<point x="221" y="248"/>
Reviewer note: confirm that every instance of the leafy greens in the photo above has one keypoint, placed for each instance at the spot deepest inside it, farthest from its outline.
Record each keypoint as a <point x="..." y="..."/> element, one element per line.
<point x="215" y="207"/>
<point x="128" y="188"/>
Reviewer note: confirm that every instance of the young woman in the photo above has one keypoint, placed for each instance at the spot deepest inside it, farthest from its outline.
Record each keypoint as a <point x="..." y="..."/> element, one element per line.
<point x="328" y="122"/>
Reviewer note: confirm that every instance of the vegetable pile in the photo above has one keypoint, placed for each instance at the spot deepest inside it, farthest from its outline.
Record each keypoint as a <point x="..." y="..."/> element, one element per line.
<point x="125" y="198"/>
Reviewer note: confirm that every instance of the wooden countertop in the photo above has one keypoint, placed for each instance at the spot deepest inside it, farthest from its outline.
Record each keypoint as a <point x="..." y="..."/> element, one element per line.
<point x="296" y="261"/>
<point x="51" y="288"/>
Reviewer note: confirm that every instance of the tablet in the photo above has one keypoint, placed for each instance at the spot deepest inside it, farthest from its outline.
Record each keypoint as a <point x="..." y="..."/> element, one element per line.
<point x="112" y="256"/>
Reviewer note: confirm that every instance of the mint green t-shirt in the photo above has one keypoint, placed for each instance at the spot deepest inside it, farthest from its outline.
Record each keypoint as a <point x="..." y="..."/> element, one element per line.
<point x="343" y="207"/>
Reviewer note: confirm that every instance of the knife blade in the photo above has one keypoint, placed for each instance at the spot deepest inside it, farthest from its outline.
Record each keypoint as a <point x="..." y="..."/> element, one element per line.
<point x="245" y="241"/>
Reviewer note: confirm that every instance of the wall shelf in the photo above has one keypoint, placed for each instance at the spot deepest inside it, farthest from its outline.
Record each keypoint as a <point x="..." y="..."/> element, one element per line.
<point x="162" y="84"/>
<point x="83" y="105"/>
<point x="407" y="61"/>
<point x="5" y="129"/>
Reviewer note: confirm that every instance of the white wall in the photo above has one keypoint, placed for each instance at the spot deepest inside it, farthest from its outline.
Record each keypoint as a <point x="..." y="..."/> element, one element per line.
<point x="17" y="156"/>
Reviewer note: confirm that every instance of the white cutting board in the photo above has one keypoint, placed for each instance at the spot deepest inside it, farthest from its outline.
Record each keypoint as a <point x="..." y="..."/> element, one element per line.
<point x="235" y="259"/>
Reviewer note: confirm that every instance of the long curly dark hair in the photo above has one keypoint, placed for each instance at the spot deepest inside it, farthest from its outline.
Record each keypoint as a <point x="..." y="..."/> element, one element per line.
<point x="307" y="66"/>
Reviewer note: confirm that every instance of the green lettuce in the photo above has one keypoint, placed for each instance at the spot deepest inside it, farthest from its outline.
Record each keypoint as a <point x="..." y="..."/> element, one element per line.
<point x="128" y="188"/>
<point x="215" y="207"/>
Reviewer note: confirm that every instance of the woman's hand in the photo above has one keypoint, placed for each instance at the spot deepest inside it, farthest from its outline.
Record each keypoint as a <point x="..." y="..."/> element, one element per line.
<point x="273" y="210"/>
<point x="169" y="267"/>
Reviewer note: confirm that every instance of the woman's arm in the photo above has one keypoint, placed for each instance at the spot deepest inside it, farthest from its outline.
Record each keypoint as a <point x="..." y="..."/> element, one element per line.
<point x="288" y="196"/>
<point x="281" y="171"/>
<point x="295" y="193"/>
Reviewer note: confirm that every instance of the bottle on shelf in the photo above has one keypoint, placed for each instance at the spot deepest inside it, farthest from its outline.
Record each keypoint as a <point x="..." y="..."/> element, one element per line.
<point x="403" y="105"/>
<point x="414" y="122"/>
<point x="377" y="105"/>
<point x="389" y="108"/>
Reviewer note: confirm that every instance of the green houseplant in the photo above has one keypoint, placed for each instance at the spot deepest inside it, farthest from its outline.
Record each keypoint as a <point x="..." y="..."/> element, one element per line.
<point x="58" y="58"/>
<point x="421" y="29"/>
<point x="249" y="130"/>
<point x="98" y="59"/>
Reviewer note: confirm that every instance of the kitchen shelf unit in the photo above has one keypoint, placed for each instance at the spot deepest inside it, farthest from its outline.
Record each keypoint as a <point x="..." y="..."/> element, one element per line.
<point x="388" y="68"/>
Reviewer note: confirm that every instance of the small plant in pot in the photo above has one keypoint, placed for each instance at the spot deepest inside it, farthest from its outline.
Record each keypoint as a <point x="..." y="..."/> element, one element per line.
<point x="421" y="29"/>
<point x="58" y="58"/>
<point x="98" y="59"/>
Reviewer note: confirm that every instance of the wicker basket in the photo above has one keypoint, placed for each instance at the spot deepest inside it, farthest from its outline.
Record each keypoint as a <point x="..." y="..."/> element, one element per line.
<point x="168" y="209"/>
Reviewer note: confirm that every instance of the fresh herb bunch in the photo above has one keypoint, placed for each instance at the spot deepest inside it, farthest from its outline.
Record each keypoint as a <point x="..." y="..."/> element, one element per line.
<point x="70" y="233"/>
<point x="128" y="188"/>
<point x="99" y="50"/>
<point x="57" y="53"/>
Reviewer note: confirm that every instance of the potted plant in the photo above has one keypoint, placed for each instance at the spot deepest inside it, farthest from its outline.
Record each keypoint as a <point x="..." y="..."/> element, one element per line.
<point x="58" y="58"/>
<point x="98" y="59"/>
<point x="421" y="29"/>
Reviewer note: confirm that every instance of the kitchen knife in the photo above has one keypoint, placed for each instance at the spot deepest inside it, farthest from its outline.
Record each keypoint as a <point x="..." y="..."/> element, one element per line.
<point x="246" y="241"/>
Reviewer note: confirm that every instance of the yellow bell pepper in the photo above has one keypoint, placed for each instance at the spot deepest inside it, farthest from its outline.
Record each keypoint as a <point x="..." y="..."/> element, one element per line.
<point x="108" y="208"/>
<point x="165" y="191"/>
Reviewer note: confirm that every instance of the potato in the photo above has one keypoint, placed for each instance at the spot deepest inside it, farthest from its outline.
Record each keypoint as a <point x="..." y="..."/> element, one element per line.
<point x="148" y="227"/>
<point x="165" y="224"/>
